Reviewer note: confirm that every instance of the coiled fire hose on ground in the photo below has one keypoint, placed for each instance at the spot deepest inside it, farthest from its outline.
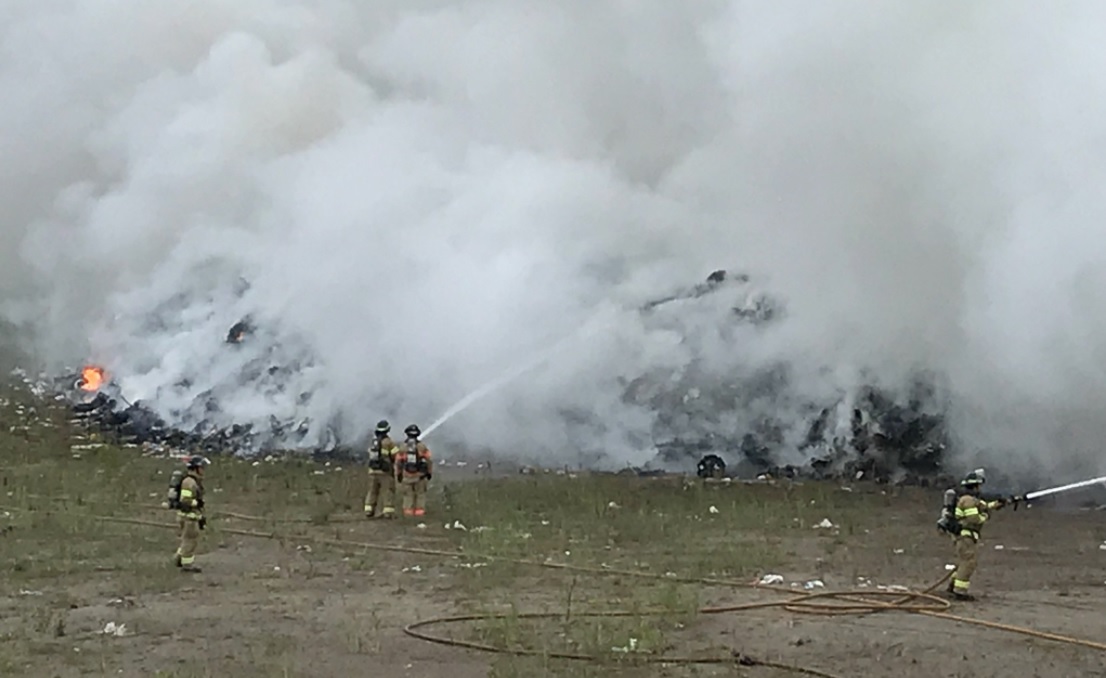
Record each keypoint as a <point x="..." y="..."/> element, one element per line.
<point x="828" y="603"/>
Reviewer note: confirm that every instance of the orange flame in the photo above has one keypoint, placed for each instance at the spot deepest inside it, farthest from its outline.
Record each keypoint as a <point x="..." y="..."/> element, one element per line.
<point x="92" y="378"/>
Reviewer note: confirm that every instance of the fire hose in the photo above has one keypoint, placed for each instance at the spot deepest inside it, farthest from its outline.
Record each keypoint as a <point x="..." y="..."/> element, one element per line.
<point x="831" y="603"/>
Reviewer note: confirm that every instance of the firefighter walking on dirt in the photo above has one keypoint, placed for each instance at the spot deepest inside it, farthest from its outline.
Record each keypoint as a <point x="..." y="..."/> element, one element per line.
<point x="971" y="512"/>
<point x="189" y="502"/>
<point x="382" y="473"/>
<point x="413" y="471"/>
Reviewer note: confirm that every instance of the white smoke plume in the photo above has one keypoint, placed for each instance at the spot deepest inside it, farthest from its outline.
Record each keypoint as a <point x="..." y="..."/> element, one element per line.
<point x="424" y="195"/>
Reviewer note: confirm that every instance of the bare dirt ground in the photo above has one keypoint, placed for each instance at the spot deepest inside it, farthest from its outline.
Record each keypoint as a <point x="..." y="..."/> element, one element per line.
<point x="314" y="600"/>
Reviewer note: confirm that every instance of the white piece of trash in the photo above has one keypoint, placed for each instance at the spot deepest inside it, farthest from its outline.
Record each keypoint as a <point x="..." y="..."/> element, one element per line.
<point x="769" y="579"/>
<point x="949" y="568"/>
<point x="825" y="524"/>
<point x="110" y="629"/>
<point x="713" y="509"/>
<point x="814" y="584"/>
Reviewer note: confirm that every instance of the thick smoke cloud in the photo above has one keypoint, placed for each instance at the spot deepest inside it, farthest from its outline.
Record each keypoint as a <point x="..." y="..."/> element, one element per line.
<point x="423" y="196"/>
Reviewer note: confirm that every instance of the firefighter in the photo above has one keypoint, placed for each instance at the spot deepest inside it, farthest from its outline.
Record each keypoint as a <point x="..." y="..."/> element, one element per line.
<point x="382" y="474"/>
<point x="413" y="471"/>
<point x="190" y="516"/>
<point x="972" y="511"/>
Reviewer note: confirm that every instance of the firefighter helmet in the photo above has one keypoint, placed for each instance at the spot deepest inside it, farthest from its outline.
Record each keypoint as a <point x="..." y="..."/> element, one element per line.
<point x="974" y="478"/>
<point x="195" y="461"/>
<point x="413" y="431"/>
<point x="383" y="427"/>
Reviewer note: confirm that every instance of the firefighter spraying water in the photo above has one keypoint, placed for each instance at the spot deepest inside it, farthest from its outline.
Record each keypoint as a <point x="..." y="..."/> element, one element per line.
<point x="964" y="512"/>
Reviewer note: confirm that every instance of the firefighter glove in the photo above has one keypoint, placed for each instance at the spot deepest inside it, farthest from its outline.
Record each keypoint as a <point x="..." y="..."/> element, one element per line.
<point x="203" y="522"/>
<point x="429" y="475"/>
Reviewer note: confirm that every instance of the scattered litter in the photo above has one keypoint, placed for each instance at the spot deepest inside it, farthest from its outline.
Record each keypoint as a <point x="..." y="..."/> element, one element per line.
<point x="320" y="473"/>
<point x="276" y="568"/>
<point x="110" y="629"/>
<point x="629" y="647"/>
<point x="1102" y="546"/>
<point x="304" y="547"/>
<point x="545" y="522"/>
<point x="525" y="535"/>
<point x="87" y="446"/>
<point x="713" y="509"/>
<point x="814" y="584"/>
<point x="824" y="525"/>
<point x="899" y="552"/>
<point x="894" y="588"/>
<point x="421" y="526"/>
<point x="863" y="582"/>
<point x="613" y="505"/>
<point x="480" y="528"/>
<point x="457" y="525"/>
<point x="121" y="602"/>
<point x="845" y="488"/>
<point x="413" y="568"/>
<point x="999" y="547"/>
<point x="28" y="592"/>
<point x="770" y="579"/>
<point x="469" y="566"/>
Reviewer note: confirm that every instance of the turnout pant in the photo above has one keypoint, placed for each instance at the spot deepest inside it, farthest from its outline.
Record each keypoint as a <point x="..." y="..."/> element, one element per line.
<point x="414" y="496"/>
<point x="188" y="529"/>
<point x="382" y="492"/>
<point x="967" y="551"/>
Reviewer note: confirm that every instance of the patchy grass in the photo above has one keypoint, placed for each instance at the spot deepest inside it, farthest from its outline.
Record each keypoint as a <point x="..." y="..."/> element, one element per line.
<point x="724" y="530"/>
<point x="61" y="561"/>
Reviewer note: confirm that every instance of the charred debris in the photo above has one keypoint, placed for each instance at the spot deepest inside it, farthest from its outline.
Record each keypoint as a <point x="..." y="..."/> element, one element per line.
<point x="887" y="440"/>
<point x="886" y="437"/>
<point x="97" y="403"/>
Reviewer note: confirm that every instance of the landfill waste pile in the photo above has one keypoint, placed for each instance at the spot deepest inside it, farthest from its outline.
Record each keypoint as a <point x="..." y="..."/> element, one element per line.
<point x="873" y="435"/>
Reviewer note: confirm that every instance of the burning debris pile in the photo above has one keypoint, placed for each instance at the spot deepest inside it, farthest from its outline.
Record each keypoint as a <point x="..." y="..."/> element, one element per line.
<point x="96" y="401"/>
<point x="869" y="434"/>
<point x="745" y="417"/>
